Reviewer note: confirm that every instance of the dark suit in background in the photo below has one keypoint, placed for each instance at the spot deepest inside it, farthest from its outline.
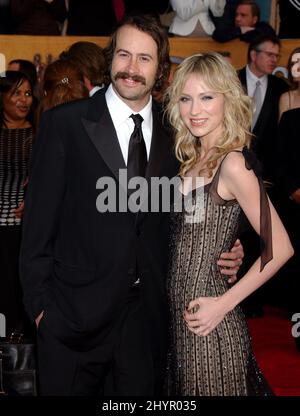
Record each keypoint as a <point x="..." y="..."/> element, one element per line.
<point x="264" y="145"/>
<point x="226" y="34"/>
<point x="288" y="181"/>
<point x="266" y="127"/>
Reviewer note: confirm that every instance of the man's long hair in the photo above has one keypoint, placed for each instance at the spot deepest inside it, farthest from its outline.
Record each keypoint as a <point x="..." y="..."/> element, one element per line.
<point x="151" y="25"/>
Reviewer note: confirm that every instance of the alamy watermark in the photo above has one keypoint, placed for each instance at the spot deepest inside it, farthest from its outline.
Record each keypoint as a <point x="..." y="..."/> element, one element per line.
<point x="296" y="326"/>
<point x="158" y="194"/>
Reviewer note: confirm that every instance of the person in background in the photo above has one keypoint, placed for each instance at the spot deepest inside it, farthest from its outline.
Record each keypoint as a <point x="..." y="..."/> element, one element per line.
<point x="211" y="353"/>
<point x="63" y="82"/>
<point x="25" y="66"/>
<point x="226" y="21"/>
<point x="16" y="138"/>
<point x="90" y="60"/>
<point x="38" y="17"/>
<point x="192" y="18"/>
<point x="291" y="98"/>
<point x="265" y="90"/>
<point x="28" y="68"/>
<point x="246" y="25"/>
<point x="288" y="179"/>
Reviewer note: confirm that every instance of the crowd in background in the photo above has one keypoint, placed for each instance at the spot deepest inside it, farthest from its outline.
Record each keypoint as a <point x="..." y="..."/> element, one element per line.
<point x="189" y="18"/>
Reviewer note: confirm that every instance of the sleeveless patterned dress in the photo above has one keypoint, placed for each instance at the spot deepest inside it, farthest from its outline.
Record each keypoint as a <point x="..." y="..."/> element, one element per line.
<point x="222" y="363"/>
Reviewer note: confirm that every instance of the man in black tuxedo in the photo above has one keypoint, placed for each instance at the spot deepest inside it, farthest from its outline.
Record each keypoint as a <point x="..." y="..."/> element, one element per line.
<point x="259" y="83"/>
<point x="94" y="282"/>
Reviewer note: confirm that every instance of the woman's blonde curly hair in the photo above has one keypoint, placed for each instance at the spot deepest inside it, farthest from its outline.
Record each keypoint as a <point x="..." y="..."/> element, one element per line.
<point x="220" y="76"/>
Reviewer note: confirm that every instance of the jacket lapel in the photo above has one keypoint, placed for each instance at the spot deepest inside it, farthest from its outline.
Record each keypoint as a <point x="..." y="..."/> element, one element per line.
<point x="265" y="109"/>
<point x="267" y="104"/>
<point x="102" y="133"/>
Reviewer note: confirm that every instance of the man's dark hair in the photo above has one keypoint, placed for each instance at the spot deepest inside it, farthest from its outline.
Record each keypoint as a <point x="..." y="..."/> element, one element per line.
<point x="90" y="60"/>
<point x="151" y="25"/>
<point x="255" y="10"/>
<point x="259" y="40"/>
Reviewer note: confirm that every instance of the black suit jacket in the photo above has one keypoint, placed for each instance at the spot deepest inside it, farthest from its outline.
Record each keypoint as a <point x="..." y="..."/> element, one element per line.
<point x="266" y="127"/>
<point x="76" y="263"/>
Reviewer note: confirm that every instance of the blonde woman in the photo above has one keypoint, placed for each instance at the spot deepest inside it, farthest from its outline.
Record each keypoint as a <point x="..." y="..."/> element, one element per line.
<point x="210" y="345"/>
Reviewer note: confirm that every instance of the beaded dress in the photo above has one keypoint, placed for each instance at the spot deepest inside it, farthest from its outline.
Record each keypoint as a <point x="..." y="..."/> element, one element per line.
<point x="222" y="363"/>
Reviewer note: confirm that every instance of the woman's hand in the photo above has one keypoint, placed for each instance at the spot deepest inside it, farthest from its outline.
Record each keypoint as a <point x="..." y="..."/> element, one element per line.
<point x="204" y="314"/>
<point x="19" y="210"/>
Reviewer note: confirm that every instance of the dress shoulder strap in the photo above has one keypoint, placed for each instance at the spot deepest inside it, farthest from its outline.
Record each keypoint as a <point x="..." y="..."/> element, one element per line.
<point x="215" y="181"/>
<point x="252" y="163"/>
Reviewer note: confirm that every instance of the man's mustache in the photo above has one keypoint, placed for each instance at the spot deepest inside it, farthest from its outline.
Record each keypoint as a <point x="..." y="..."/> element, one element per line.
<point x="135" y="78"/>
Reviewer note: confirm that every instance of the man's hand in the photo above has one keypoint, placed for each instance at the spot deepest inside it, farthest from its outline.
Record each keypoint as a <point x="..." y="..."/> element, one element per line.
<point x="38" y="319"/>
<point x="230" y="262"/>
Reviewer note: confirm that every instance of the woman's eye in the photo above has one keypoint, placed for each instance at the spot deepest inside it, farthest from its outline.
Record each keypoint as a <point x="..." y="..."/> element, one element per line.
<point x="183" y="99"/>
<point x="207" y="97"/>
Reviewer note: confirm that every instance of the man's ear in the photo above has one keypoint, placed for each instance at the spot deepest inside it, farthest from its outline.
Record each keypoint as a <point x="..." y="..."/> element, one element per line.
<point x="252" y="55"/>
<point x="255" y="20"/>
<point x="87" y="83"/>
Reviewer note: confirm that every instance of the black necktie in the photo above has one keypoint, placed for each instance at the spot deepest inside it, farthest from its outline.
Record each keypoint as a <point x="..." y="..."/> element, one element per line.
<point x="137" y="154"/>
